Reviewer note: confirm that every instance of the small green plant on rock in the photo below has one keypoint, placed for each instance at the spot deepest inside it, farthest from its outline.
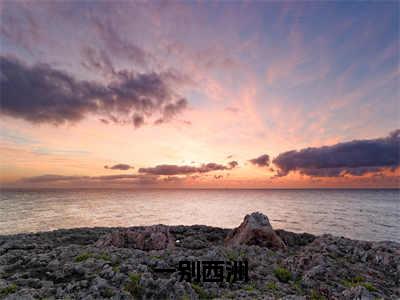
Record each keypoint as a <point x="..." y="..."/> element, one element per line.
<point x="108" y="293"/>
<point x="297" y="286"/>
<point x="11" y="289"/>
<point x="347" y="283"/>
<point x="232" y="255"/>
<point x="283" y="274"/>
<point x="250" y="287"/>
<point x="369" y="286"/>
<point x="104" y="256"/>
<point x="315" y="295"/>
<point x="358" y="281"/>
<point x="185" y="297"/>
<point x="116" y="268"/>
<point x="133" y="286"/>
<point x="83" y="256"/>
<point x="271" y="286"/>
<point x="200" y="291"/>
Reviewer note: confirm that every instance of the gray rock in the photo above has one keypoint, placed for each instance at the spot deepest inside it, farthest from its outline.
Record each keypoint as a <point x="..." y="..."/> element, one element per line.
<point x="357" y="293"/>
<point x="255" y="230"/>
<point x="155" y="237"/>
<point x="67" y="264"/>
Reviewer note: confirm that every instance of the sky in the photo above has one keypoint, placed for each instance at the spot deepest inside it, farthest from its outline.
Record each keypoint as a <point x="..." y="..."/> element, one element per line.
<point x="199" y="94"/>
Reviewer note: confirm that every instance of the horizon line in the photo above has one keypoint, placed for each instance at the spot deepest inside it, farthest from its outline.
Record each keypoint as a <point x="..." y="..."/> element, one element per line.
<point x="191" y="188"/>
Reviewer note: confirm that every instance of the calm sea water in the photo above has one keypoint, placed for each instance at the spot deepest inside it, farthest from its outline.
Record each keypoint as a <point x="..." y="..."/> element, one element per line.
<point x="358" y="214"/>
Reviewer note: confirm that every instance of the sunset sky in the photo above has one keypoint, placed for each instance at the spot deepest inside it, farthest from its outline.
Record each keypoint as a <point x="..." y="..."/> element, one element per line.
<point x="214" y="94"/>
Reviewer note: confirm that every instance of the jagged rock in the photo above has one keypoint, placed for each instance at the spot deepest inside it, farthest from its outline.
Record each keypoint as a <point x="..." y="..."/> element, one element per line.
<point x="295" y="239"/>
<point x="63" y="265"/>
<point x="255" y="230"/>
<point x="357" y="293"/>
<point x="155" y="237"/>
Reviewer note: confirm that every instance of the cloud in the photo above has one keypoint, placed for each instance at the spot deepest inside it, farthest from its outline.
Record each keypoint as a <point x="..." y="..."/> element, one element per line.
<point x="183" y="170"/>
<point x="171" y="110"/>
<point x="123" y="167"/>
<point x="42" y="94"/>
<point x="97" y="61"/>
<point x="233" y="164"/>
<point x="174" y="179"/>
<point x="120" y="178"/>
<point x="137" y="120"/>
<point x="232" y="109"/>
<point x="118" y="45"/>
<point x="115" y="177"/>
<point x="51" y="178"/>
<point x="261" y="161"/>
<point x="148" y="176"/>
<point x="356" y="158"/>
<point x="18" y="26"/>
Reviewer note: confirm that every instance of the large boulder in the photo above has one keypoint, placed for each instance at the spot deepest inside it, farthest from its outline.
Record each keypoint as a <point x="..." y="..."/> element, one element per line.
<point x="156" y="237"/>
<point x="255" y="230"/>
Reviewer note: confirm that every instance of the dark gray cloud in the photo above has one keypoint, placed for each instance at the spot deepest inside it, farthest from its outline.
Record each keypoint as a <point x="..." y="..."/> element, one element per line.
<point x="233" y="164"/>
<point x="123" y="167"/>
<point x="41" y="94"/>
<point x="261" y="161"/>
<point x="183" y="170"/>
<point x="354" y="158"/>
<point x="138" y="120"/>
<point x="154" y="175"/>
<point x="171" y="110"/>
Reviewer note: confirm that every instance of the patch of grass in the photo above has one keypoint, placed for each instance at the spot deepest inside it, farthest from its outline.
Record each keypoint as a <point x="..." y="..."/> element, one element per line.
<point x="315" y="295"/>
<point x="185" y="297"/>
<point x="271" y="286"/>
<point x="11" y="289"/>
<point x="234" y="255"/>
<point x="369" y="286"/>
<point x="133" y="286"/>
<point x="86" y="255"/>
<point x="347" y="283"/>
<point x="155" y="256"/>
<point x="200" y="291"/>
<point x="358" y="281"/>
<point x="83" y="256"/>
<point x="116" y="268"/>
<point x="108" y="293"/>
<point x="250" y="287"/>
<point x="104" y="256"/>
<point x="283" y="274"/>
<point x="297" y="286"/>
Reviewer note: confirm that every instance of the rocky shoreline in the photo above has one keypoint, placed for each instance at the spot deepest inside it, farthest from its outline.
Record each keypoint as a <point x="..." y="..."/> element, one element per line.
<point x="122" y="263"/>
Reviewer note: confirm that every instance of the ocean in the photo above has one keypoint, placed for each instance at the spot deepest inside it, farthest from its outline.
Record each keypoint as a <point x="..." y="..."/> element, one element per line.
<point x="357" y="214"/>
